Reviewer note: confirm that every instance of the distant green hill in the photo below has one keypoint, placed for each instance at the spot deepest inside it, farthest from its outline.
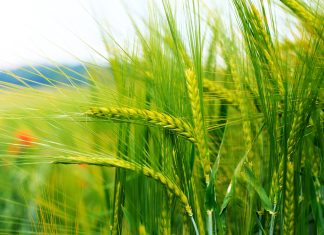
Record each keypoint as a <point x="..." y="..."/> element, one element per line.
<point x="45" y="75"/>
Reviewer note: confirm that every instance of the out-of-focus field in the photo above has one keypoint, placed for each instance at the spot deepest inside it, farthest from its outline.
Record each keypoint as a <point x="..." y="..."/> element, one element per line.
<point x="40" y="124"/>
<point x="36" y="126"/>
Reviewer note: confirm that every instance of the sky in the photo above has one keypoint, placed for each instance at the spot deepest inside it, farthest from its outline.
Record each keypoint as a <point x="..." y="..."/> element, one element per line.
<point x="64" y="31"/>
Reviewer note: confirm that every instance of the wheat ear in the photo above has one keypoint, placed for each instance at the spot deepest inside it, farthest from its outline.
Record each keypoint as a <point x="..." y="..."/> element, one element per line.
<point x="289" y="206"/>
<point x="116" y="211"/>
<point x="221" y="92"/>
<point x="299" y="10"/>
<point x="298" y="124"/>
<point x="246" y="124"/>
<point x="164" y="226"/>
<point x="171" y="123"/>
<point x="267" y="49"/>
<point x="142" y="230"/>
<point x="193" y="91"/>
<point x="114" y="162"/>
<point x="293" y="140"/>
<point x="312" y="24"/>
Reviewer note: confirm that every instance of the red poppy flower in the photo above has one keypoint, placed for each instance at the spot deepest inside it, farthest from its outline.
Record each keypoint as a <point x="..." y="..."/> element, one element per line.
<point x="24" y="140"/>
<point x="25" y="137"/>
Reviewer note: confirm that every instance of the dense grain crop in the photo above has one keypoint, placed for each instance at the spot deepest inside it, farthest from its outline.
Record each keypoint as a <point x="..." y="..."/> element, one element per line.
<point x="206" y="125"/>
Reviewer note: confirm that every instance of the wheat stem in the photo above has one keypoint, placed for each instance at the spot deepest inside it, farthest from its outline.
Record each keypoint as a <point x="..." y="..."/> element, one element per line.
<point x="209" y="222"/>
<point x="200" y="220"/>
<point x="194" y="225"/>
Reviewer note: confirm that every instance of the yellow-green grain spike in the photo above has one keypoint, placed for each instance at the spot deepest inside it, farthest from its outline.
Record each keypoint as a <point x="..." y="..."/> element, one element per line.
<point x="147" y="171"/>
<point x="289" y="205"/>
<point x="116" y="210"/>
<point x="247" y="132"/>
<point x="267" y="49"/>
<point x="221" y="92"/>
<point x="199" y="129"/>
<point x="175" y="125"/>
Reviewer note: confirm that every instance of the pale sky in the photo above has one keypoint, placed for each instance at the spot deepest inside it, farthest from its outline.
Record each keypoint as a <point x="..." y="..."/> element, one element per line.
<point x="36" y="31"/>
<point x="63" y="31"/>
<point x="33" y="31"/>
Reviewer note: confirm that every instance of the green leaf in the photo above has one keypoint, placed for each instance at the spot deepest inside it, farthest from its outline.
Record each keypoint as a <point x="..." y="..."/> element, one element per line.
<point x="211" y="202"/>
<point x="210" y="191"/>
<point x="231" y="187"/>
<point x="316" y="205"/>
<point x="248" y="176"/>
<point x="229" y="194"/>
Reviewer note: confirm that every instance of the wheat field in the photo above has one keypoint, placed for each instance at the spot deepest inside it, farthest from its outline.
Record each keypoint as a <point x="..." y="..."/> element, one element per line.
<point x="207" y="126"/>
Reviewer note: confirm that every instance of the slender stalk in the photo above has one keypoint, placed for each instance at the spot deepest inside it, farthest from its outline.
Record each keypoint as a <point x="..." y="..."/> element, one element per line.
<point x="199" y="216"/>
<point x="209" y="222"/>
<point x="273" y="219"/>
<point x="194" y="225"/>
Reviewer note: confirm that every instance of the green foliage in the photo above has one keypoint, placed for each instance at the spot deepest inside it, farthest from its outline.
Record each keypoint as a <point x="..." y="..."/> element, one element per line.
<point x="200" y="128"/>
